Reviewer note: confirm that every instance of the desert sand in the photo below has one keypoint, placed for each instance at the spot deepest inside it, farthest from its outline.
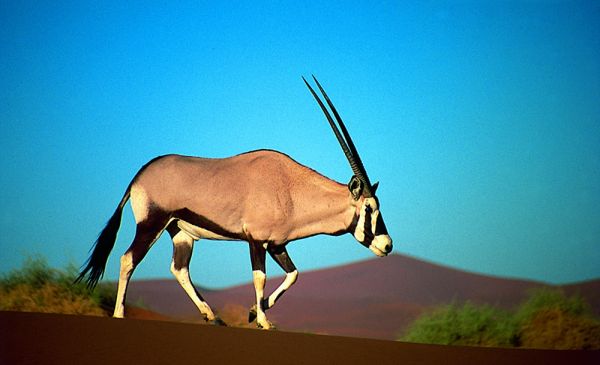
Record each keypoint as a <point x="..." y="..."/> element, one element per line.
<point x="36" y="338"/>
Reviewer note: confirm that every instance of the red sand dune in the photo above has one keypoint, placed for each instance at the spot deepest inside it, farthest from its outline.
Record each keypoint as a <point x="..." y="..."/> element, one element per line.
<point x="375" y="298"/>
<point x="142" y="313"/>
<point x="35" y="338"/>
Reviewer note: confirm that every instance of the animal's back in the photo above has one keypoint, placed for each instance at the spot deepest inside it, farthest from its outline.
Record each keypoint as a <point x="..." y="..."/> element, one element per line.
<point x="263" y="179"/>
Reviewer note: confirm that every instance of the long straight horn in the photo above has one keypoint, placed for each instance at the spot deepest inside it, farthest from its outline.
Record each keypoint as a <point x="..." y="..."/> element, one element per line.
<point x="345" y="141"/>
<point x="345" y="132"/>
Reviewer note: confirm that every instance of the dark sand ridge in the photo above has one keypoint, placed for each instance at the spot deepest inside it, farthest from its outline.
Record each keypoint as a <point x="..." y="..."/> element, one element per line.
<point x="35" y="338"/>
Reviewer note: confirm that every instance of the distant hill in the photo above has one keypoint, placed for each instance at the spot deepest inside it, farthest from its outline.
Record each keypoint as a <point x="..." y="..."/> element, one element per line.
<point x="375" y="298"/>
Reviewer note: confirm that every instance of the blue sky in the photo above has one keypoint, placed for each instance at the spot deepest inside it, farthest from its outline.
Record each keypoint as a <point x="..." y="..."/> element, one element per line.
<point x="480" y="119"/>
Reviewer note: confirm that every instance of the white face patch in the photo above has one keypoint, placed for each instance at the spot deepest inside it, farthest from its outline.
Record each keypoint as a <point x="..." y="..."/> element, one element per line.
<point x="380" y="244"/>
<point x="374" y="217"/>
<point x="372" y="203"/>
<point x="359" y="232"/>
<point x="377" y="251"/>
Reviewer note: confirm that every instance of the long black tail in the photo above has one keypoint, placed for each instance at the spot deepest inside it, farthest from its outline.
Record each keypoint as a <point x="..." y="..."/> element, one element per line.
<point x="93" y="269"/>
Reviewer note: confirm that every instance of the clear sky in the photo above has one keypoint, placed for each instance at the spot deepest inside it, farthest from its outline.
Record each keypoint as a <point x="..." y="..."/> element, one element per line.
<point x="481" y="120"/>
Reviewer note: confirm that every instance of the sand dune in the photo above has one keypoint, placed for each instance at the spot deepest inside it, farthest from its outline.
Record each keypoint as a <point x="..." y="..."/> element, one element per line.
<point x="34" y="338"/>
<point x="375" y="298"/>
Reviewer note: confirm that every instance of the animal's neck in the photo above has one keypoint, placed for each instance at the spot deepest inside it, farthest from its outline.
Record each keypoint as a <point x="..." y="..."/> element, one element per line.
<point x="330" y="212"/>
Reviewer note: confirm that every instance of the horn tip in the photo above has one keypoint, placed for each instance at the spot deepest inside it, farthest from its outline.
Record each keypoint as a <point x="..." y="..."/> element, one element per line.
<point x="306" y="82"/>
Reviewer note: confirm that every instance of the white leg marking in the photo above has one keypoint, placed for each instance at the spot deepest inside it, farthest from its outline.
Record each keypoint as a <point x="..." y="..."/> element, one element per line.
<point x="259" y="278"/>
<point x="290" y="279"/>
<point x="183" y="277"/>
<point x="124" y="276"/>
<point x="184" y="243"/>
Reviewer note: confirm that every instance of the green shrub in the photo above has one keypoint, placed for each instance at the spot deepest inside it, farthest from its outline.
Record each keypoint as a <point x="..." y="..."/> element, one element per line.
<point x="553" y="328"/>
<point x="549" y="298"/>
<point x="547" y="319"/>
<point x="550" y="319"/>
<point x="463" y="325"/>
<point x="38" y="288"/>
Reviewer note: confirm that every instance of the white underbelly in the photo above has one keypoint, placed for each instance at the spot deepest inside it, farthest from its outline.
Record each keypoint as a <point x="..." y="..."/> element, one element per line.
<point x="198" y="232"/>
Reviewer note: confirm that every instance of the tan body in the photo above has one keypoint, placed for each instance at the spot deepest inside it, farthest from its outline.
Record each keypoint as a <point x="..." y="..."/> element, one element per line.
<point x="263" y="195"/>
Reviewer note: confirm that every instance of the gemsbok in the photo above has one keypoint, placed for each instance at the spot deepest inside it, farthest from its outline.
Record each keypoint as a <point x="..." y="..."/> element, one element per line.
<point x="262" y="197"/>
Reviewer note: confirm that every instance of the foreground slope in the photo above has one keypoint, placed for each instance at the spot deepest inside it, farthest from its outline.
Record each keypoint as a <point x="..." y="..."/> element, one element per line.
<point x="375" y="298"/>
<point x="35" y="338"/>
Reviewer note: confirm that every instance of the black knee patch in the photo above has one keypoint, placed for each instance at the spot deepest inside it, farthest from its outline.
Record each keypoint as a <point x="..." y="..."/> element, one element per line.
<point x="181" y="256"/>
<point x="282" y="258"/>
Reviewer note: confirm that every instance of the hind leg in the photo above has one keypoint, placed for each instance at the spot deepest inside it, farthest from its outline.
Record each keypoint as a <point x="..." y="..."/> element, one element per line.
<point x="183" y="245"/>
<point x="259" y="277"/>
<point x="146" y="234"/>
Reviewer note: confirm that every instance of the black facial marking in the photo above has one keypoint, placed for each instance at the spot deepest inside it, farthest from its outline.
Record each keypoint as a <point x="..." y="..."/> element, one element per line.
<point x="367" y="228"/>
<point x="354" y="223"/>
<point x="380" y="228"/>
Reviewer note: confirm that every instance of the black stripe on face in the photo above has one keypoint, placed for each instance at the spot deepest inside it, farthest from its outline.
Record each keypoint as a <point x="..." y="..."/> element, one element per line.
<point x="367" y="228"/>
<point x="380" y="228"/>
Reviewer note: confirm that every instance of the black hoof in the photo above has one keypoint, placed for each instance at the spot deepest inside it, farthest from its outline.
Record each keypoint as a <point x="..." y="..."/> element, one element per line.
<point x="272" y="327"/>
<point x="218" y="322"/>
<point x="252" y="314"/>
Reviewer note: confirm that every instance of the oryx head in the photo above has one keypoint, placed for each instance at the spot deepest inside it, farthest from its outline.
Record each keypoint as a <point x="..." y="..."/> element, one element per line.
<point x="368" y="226"/>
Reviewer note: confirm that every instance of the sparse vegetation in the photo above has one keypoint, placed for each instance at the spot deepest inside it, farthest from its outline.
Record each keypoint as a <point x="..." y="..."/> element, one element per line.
<point x="36" y="287"/>
<point x="465" y="324"/>
<point x="547" y="319"/>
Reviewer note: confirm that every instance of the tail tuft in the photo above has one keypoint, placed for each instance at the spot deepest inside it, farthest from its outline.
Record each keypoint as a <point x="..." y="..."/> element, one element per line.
<point x="93" y="269"/>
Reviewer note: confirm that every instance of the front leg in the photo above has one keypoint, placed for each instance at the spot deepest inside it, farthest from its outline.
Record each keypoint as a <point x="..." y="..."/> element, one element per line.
<point x="281" y="257"/>
<point x="259" y="277"/>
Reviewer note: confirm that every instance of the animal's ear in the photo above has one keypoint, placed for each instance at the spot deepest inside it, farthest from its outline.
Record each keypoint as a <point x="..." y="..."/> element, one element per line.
<point x="356" y="187"/>
<point x="374" y="188"/>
